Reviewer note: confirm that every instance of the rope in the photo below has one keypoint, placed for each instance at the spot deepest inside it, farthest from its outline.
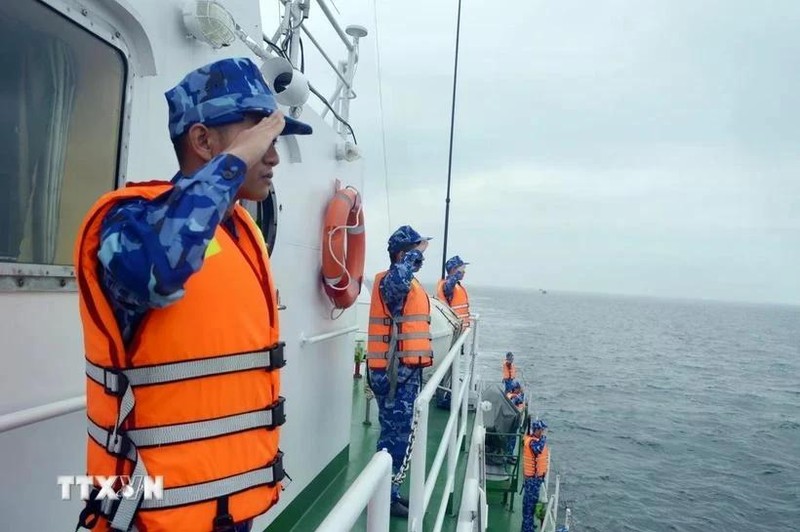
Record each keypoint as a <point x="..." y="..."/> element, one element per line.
<point x="330" y="246"/>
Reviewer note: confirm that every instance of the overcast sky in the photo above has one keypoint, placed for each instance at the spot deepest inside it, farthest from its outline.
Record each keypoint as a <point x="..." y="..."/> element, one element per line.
<point x="636" y="147"/>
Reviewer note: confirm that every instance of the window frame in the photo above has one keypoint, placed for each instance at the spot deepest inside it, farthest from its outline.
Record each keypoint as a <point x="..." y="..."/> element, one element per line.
<point x="35" y="277"/>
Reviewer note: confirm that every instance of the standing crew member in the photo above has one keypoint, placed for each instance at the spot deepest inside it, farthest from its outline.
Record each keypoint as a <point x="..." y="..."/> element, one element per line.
<point x="509" y="371"/>
<point x="180" y="318"/>
<point x="535" y="456"/>
<point x="451" y="291"/>
<point x="399" y="346"/>
<point x="517" y="398"/>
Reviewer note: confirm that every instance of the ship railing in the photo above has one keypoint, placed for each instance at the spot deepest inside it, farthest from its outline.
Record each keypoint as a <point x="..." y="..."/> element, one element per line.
<point x="373" y="490"/>
<point x="551" y="514"/>
<point x="29" y="416"/>
<point x="474" y="511"/>
<point x="422" y="485"/>
<point x="368" y="489"/>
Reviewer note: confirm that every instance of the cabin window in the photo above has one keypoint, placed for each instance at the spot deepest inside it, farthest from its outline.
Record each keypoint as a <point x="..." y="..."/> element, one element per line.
<point x="61" y="100"/>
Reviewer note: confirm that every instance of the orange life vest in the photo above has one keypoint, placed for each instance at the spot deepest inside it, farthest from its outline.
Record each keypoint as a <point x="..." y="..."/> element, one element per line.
<point x="534" y="465"/>
<point x="459" y="303"/>
<point x="413" y="339"/>
<point x="509" y="371"/>
<point x="204" y="367"/>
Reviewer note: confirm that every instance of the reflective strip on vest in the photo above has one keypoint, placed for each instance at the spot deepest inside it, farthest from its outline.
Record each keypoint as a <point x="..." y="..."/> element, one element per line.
<point x="121" y="512"/>
<point x="426" y="353"/>
<point x="381" y="354"/>
<point x="414" y="336"/>
<point x="454" y="307"/>
<point x="413" y="317"/>
<point x="178" y="371"/>
<point x="218" y="488"/>
<point x="402" y="319"/>
<point x="185" y="432"/>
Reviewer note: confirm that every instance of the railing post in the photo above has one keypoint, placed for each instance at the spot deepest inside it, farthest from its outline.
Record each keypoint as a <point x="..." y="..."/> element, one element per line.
<point x="378" y="517"/>
<point x="455" y="407"/>
<point x="372" y="488"/>
<point x="416" y="501"/>
<point x="348" y="73"/>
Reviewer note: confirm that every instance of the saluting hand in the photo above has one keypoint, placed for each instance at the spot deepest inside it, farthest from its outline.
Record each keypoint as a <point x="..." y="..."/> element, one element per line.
<point x="251" y="144"/>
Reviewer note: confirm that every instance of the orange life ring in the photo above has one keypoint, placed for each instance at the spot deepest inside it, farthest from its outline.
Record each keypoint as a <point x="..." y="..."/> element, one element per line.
<point x="343" y="247"/>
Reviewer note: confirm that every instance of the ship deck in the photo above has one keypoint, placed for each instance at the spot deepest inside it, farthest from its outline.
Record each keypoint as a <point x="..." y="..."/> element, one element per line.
<point x="309" y="508"/>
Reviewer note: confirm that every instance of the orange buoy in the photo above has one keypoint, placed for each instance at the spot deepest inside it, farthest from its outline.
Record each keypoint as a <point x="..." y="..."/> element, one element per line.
<point x="343" y="247"/>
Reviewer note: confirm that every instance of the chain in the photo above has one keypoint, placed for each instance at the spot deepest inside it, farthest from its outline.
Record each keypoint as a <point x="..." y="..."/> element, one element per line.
<point x="401" y="473"/>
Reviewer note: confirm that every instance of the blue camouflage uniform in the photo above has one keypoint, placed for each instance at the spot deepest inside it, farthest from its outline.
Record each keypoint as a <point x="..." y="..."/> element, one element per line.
<point x="516" y="400"/>
<point x="395" y="414"/>
<point x="453" y="277"/>
<point x="531" y="485"/>
<point x="150" y="248"/>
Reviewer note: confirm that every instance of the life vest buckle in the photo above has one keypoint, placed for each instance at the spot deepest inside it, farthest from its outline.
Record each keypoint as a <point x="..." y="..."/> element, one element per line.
<point x="114" y="382"/>
<point x="276" y="358"/>
<point x="118" y="444"/>
<point x="278" y="413"/>
<point x="223" y="523"/>
<point x="91" y="513"/>
<point x="278" y="473"/>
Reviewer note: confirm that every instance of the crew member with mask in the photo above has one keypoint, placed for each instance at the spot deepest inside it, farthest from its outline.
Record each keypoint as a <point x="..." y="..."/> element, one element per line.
<point x="399" y="346"/>
<point x="451" y="291"/>
<point x="509" y="371"/>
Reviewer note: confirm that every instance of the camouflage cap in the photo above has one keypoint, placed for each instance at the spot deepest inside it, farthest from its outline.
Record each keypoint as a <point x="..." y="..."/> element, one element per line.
<point x="538" y="424"/>
<point x="222" y="93"/>
<point x="403" y="238"/>
<point x="453" y="263"/>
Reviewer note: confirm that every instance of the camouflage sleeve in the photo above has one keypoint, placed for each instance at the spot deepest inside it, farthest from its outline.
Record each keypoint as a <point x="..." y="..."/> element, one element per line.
<point x="150" y="248"/>
<point x="537" y="446"/>
<point x="449" y="286"/>
<point x="397" y="282"/>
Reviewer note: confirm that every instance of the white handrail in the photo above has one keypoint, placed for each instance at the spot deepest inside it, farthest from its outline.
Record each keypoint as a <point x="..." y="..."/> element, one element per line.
<point x="430" y="387"/>
<point x="15" y="420"/>
<point x="551" y="515"/>
<point x="373" y="489"/>
<point x="373" y="484"/>
<point x="326" y="336"/>
<point x="421" y="486"/>
<point x="471" y="509"/>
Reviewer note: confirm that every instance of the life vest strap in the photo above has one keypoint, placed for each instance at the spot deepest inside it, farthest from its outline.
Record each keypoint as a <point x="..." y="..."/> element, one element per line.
<point x="384" y="338"/>
<point x="413" y="317"/>
<point x="405" y="354"/>
<point x="205" y="491"/>
<point x="122" y="443"/>
<point x="115" y="381"/>
<point x="414" y="336"/>
<point x="454" y="307"/>
<point x="401" y="319"/>
<point x="377" y="354"/>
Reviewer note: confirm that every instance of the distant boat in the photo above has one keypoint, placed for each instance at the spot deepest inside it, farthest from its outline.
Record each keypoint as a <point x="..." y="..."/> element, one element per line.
<point x="542" y="290"/>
